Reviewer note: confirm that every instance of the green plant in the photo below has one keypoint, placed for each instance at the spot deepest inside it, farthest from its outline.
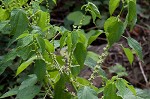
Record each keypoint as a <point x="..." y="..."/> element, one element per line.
<point x="50" y="64"/>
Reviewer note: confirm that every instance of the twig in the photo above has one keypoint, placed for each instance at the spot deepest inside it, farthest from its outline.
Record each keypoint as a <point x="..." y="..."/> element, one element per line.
<point x="128" y="33"/>
<point x="142" y="71"/>
<point x="99" y="38"/>
<point x="55" y="20"/>
<point x="12" y="97"/>
<point x="95" y="27"/>
<point x="45" y="95"/>
<point x="55" y="37"/>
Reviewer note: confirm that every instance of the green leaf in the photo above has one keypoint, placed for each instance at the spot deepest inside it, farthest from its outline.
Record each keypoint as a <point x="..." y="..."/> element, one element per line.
<point x="27" y="40"/>
<point x="19" y="23"/>
<point x="47" y="57"/>
<point x="91" y="59"/>
<point x="102" y="73"/>
<point x="86" y="93"/>
<point x="40" y="69"/>
<point x="132" y="13"/>
<point x="74" y="37"/>
<point x="60" y="60"/>
<point x="69" y="43"/>
<point x="145" y="93"/>
<point x="26" y="33"/>
<point x="59" y="88"/>
<point x="63" y="39"/>
<point x="121" y="87"/>
<point x="32" y="80"/>
<point x="75" y="70"/>
<point x="118" y="69"/>
<point x="93" y="10"/>
<point x="56" y="43"/>
<point x="93" y="16"/>
<point x="49" y="46"/>
<point x="77" y="16"/>
<point x="4" y="14"/>
<point x="35" y="6"/>
<point x="42" y="21"/>
<point x="6" y="30"/>
<point x="94" y="36"/>
<point x="4" y="65"/>
<point x="24" y="52"/>
<point x="54" y="75"/>
<point x="129" y="54"/>
<point x="80" y="54"/>
<point x="110" y="92"/>
<point x="113" y="4"/>
<point x="101" y="89"/>
<point x="128" y="95"/>
<point x="54" y="1"/>
<point x="82" y="38"/>
<point x="10" y="56"/>
<point x="136" y="47"/>
<point x="3" y="24"/>
<point x="114" y="28"/>
<point x="108" y="22"/>
<point x="22" y="2"/>
<point x="41" y="43"/>
<point x="83" y="82"/>
<point x="28" y="92"/>
<point x="11" y="92"/>
<point x="25" y="64"/>
<point x="130" y="87"/>
<point x="131" y="10"/>
<point x="7" y="60"/>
